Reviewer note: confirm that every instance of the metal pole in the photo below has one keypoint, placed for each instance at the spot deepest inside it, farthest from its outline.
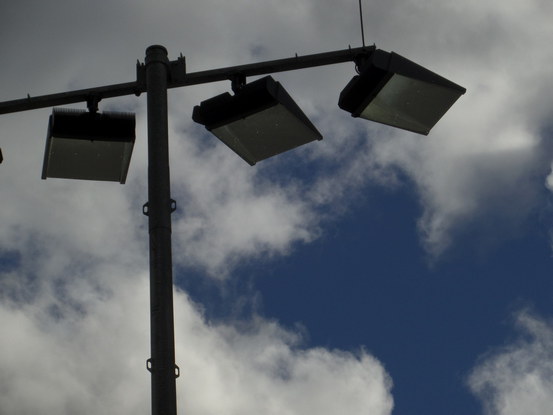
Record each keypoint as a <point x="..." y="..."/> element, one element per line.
<point x="159" y="207"/>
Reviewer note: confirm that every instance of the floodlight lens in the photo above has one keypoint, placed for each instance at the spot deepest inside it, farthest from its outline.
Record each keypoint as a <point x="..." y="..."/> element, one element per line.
<point x="249" y="136"/>
<point x="259" y="122"/>
<point x="86" y="146"/>
<point x="396" y="91"/>
<point x="410" y="104"/>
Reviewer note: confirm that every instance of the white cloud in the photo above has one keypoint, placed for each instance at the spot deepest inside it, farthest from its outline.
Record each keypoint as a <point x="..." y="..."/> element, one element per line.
<point x="261" y="368"/>
<point x="549" y="180"/>
<point x="71" y="352"/>
<point x="230" y="214"/>
<point x="518" y="378"/>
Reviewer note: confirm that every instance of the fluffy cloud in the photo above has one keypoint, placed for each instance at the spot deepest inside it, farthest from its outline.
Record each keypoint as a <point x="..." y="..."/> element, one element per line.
<point x="70" y="352"/>
<point x="261" y="368"/>
<point x="518" y="378"/>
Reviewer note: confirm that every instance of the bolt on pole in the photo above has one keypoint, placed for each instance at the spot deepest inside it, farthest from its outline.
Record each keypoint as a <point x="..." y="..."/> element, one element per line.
<point x="159" y="207"/>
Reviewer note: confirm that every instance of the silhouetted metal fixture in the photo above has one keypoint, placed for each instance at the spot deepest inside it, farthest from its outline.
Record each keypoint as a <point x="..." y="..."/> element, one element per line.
<point x="88" y="145"/>
<point x="392" y="90"/>
<point x="260" y="121"/>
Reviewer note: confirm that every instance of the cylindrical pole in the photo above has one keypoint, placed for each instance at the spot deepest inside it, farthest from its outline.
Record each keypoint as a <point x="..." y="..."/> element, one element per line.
<point x="159" y="207"/>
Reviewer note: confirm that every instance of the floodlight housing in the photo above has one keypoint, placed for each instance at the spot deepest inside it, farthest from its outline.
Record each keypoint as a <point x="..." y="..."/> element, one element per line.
<point x="260" y="121"/>
<point x="88" y="145"/>
<point x="393" y="90"/>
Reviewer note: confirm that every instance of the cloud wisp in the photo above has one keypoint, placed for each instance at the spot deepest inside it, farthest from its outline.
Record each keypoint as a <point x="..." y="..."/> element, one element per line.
<point x="518" y="378"/>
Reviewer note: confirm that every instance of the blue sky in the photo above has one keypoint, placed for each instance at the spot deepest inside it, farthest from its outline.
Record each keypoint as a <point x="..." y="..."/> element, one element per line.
<point x="367" y="283"/>
<point x="429" y="326"/>
<point x="373" y="272"/>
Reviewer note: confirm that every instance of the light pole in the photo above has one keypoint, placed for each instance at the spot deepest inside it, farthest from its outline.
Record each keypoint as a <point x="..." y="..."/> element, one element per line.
<point x="158" y="209"/>
<point x="259" y="121"/>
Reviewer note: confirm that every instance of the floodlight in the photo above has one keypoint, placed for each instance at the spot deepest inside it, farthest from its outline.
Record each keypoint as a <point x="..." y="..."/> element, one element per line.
<point x="393" y="90"/>
<point x="89" y="145"/>
<point x="261" y="120"/>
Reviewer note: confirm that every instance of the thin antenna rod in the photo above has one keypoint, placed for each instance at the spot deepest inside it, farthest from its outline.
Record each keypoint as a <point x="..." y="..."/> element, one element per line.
<point x="362" y="27"/>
